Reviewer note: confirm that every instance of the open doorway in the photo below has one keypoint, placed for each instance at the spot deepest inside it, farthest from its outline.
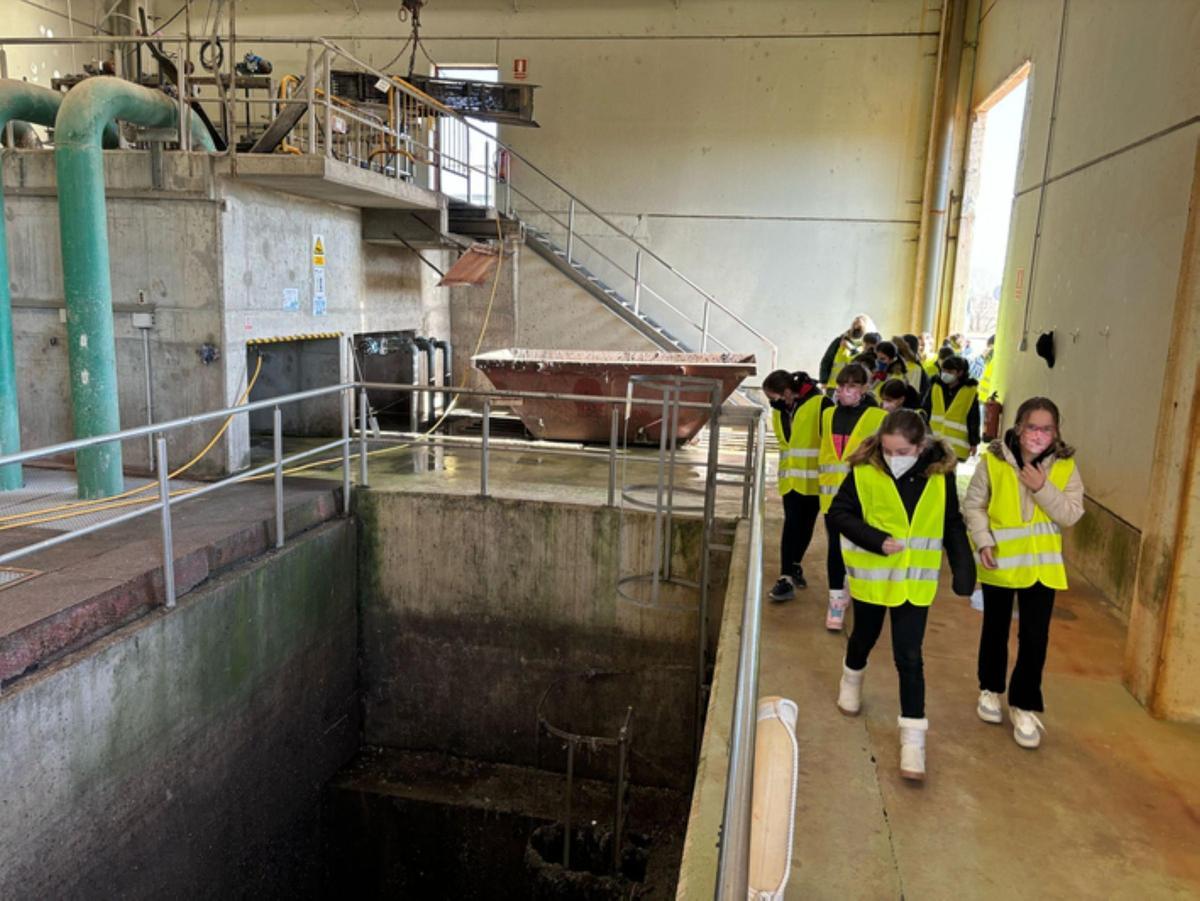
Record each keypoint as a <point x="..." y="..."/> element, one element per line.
<point x="993" y="156"/>
<point x="468" y="166"/>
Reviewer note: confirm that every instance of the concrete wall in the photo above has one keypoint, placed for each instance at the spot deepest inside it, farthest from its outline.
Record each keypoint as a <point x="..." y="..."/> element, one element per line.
<point x="164" y="250"/>
<point x="472" y="607"/>
<point x="211" y="257"/>
<point x="774" y="151"/>
<point x="1107" y="175"/>
<point x="185" y="754"/>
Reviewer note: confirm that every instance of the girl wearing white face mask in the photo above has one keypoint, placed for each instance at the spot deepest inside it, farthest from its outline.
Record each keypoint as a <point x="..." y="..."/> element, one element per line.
<point x="896" y="513"/>
<point x="1024" y="493"/>
<point x="951" y="407"/>
<point x="844" y="426"/>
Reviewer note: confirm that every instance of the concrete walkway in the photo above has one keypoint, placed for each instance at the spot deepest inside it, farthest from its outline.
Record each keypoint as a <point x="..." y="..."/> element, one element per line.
<point x="1109" y="806"/>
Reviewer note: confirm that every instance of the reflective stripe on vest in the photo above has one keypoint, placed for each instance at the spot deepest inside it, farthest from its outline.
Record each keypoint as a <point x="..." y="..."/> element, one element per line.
<point x="951" y="424"/>
<point x="798" y="452"/>
<point x="832" y="470"/>
<point x="911" y="574"/>
<point x="1026" y="552"/>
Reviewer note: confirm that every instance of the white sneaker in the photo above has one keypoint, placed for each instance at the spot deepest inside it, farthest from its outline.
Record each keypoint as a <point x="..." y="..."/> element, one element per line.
<point x="912" y="748"/>
<point x="977" y="603"/>
<point x="988" y="707"/>
<point x="849" y="699"/>
<point x="1027" y="728"/>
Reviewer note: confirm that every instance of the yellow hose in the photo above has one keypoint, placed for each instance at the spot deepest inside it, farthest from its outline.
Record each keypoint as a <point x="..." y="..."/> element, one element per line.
<point x="81" y="508"/>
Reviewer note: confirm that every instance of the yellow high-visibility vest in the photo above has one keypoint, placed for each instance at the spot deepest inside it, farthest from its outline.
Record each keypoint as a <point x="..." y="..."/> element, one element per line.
<point x="1026" y="552"/>
<point x="798" y="453"/>
<point x="985" y="380"/>
<point x="843" y="356"/>
<point x="911" y="574"/>
<point x="833" y="470"/>
<point x="931" y="367"/>
<point x="952" y="424"/>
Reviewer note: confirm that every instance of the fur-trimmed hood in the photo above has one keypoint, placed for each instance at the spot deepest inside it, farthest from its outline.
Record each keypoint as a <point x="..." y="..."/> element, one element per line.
<point x="937" y="459"/>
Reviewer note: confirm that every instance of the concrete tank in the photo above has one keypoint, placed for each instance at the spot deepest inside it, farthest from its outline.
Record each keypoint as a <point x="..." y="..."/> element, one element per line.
<point x="606" y="374"/>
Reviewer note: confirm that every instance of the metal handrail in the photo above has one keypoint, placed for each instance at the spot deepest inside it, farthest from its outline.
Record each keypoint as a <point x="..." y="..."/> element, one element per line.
<point x="733" y="864"/>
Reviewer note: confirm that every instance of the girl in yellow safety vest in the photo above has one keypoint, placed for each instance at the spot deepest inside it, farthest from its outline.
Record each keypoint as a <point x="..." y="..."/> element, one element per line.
<point x="796" y="416"/>
<point x="843" y="349"/>
<point x="896" y="512"/>
<point x="844" y="426"/>
<point x="1016" y="508"/>
<point x="952" y="409"/>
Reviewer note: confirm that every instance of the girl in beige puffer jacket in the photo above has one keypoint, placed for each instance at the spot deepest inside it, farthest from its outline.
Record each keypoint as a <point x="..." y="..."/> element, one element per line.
<point x="1024" y="492"/>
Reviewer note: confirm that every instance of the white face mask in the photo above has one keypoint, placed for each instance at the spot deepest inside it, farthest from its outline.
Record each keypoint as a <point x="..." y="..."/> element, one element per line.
<point x="949" y="377"/>
<point x="899" y="465"/>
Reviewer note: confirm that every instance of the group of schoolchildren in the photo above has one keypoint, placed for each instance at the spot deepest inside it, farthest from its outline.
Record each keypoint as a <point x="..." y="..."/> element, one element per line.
<point x="873" y="443"/>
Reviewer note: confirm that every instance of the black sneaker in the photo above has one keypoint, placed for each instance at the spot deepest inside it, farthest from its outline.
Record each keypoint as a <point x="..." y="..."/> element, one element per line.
<point x="799" y="581"/>
<point x="783" y="590"/>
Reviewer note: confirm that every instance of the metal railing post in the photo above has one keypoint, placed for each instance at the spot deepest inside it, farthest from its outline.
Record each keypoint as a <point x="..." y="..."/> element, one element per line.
<point x="278" y="430"/>
<point x="704" y="326"/>
<point x="346" y="395"/>
<point x="168" y="541"/>
<point x="483" y="461"/>
<point x="185" y="132"/>
<point x="362" y="437"/>
<point x="570" y="230"/>
<point x="637" y="282"/>
<point x="310" y="97"/>
<point x="612" y="456"/>
<point x="327" y="78"/>
<point x="733" y="861"/>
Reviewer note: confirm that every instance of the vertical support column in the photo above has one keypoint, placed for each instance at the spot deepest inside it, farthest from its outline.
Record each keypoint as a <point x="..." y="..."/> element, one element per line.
<point x="346" y="451"/>
<point x="327" y="80"/>
<point x="637" y="283"/>
<point x="708" y="526"/>
<point x="363" y="410"/>
<point x="704" y="324"/>
<point x="570" y="230"/>
<point x="567" y="814"/>
<point x="612" y="455"/>
<point x="278" y="446"/>
<point x="310" y="97"/>
<point x="149" y="394"/>
<point x="657" y="548"/>
<point x="168" y="541"/>
<point x="483" y="460"/>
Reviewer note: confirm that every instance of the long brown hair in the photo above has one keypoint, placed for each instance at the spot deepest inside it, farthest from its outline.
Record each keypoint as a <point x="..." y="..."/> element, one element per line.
<point x="912" y="427"/>
<point x="1062" y="450"/>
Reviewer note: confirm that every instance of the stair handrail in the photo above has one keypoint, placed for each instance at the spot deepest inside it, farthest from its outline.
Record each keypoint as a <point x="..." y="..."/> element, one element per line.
<point x="417" y="94"/>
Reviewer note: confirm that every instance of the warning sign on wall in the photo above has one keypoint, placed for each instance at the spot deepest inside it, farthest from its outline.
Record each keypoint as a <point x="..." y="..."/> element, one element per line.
<point x="520" y="69"/>
<point x="318" y="250"/>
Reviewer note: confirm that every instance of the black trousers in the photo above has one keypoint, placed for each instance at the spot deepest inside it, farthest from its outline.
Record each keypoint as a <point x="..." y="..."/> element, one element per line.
<point x="835" y="567"/>
<point x="799" y="518"/>
<point x="1035" y="604"/>
<point x="908" y="634"/>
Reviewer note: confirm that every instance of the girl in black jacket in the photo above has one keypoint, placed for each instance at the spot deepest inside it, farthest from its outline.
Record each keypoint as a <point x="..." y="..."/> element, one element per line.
<point x="889" y="571"/>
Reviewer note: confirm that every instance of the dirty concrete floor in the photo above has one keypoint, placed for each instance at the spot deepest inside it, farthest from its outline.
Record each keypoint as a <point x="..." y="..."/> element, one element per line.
<point x="1109" y="806"/>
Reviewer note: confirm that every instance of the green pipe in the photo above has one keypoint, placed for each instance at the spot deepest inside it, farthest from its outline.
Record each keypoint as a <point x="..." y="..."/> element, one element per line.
<point x="20" y="104"/>
<point x="83" y="225"/>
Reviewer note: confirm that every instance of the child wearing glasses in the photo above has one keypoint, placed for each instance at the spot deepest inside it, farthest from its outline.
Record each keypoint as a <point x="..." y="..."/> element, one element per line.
<point x="1024" y="493"/>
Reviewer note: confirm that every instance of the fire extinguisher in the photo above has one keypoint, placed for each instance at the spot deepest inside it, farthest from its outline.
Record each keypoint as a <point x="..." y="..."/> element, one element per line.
<point x="502" y="163"/>
<point x="992" y="411"/>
